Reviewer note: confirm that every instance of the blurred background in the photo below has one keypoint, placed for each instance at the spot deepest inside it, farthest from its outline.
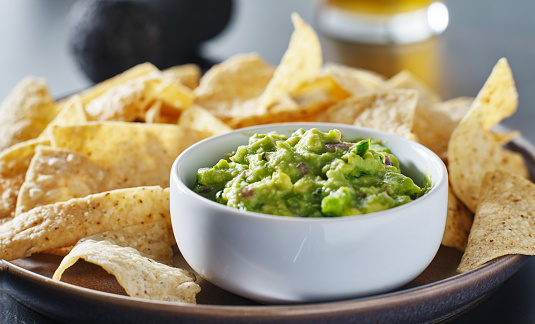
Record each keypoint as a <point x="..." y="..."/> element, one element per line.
<point x="49" y="38"/>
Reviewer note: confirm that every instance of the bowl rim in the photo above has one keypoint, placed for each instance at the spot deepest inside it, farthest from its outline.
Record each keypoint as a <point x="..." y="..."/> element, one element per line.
<point x="441" y="181"/>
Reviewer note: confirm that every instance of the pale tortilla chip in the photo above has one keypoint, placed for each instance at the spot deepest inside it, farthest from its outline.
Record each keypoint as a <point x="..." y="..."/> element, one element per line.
<point x="473" y="150"/>
<point x="458" y="223"/>
<point x="123" y="102"/>
<point x="197" y="124"/>
<point x="26" y="112"/>
<point x="100" y="88"/>
<point x="139" y="276"/>
<point x="406" y="80"/>
<point x="14" y="163"/>
<point x="504" y="220"/>
<point x="391" y="111"/>
<point x="57" y="174"/>
<point x="137" y="154"/>
<point x="303" y="108"/>
<point x="150" y="240"/>
<point x="232" y="83"/>
<point x="64" y="223"/>
<point x="187" y="74"/>
<point x="72" y="113"/>
<point x="300" y="63"/>
<point x="435" y="124"/>
<point x="355" y="81"/>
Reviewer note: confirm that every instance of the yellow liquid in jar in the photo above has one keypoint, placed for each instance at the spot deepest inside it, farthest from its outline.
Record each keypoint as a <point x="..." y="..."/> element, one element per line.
<point x="379" y="7"/>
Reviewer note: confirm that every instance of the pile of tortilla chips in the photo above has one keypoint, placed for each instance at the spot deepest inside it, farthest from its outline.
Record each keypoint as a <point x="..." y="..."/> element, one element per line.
<point x="90" y="173"/>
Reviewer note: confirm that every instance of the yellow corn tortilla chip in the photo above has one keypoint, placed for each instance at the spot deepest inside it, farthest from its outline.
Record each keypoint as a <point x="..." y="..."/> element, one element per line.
<point x="174" y="96"/>
<point x="300" y="63"/>
<point x="391" y="111"/>
<point x="435" y="124"/>
<point x="14" y="163"/>
<point x="187" y="74"/>
<point x="504" y="220"/>
<point x="100" y="88"/>
<point x="473" y="150"/>
<point x="150" y="240"/>
<point x="197" y="124"/>
<point x="139" y="276"/>
<point x="72" y="113"/>
<point x="137" y="154"/>
<point x="64" y="223"/>
<point x="458" y="223"/>
<point x="123" y="102"/>
<point x="353" y="80"/>
<point x="57" y="174"/>
<point x="406" y="80"/>
<point x="302" y="108"/>
<point x="227" y="86"/>
<point x="26" y="112"/>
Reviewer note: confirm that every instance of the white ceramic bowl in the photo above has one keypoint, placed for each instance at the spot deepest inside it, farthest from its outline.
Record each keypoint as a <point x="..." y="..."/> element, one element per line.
<point x="278" y="259"/>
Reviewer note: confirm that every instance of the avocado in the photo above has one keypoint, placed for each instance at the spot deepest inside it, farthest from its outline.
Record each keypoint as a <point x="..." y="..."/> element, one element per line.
<point x="108" y="37"/>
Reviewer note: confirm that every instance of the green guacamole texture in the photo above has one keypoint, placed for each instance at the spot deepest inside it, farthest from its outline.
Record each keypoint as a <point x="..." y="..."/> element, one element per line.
<point x="308" y="174"/>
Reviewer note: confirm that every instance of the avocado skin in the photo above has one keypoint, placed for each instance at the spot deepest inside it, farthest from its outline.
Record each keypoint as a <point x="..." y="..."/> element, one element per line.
<point x="108" y="37"/>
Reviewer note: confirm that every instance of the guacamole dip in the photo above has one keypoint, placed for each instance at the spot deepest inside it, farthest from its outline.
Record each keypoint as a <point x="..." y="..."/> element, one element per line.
<point x="309" y="174"/>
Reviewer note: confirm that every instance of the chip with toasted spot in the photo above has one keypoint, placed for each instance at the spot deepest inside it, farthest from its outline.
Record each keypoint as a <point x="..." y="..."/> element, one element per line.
<point x="64" y="223"/>
<point x="139" y="276"/>
<point x="503" y="222"/>
<point x="473" y="149"/>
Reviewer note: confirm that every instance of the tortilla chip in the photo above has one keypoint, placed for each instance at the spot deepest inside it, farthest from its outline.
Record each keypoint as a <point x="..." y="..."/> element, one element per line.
<point x="227" y="86"/>
<point x="187" y="74"/>
<point x="355" y="81"/>
<point x="72" y="113"/>
<point x="64" y="223"/>
<point x="100" y="88"/>
<point x="473" y="150"/>
<point x="26" y="112"/>
<point x="302" y="108"/>
<point x="391" y="111"/>
<point x="300" y="63"/>
<point x="436" y="123"/>
<point x="137" y="154"/>
<point x="150" y="240"/>
<point x="406" y="80"/>
<point x="504" y="220"/>
<point x="139" y="276"/>
<point x="174" y="96"/>
<point x="123" y="102"/>
<point x="458" y="223"/>
<point x="14" y="163"/>
<point x="57" y="174"/>
<point x="197" y="124"/>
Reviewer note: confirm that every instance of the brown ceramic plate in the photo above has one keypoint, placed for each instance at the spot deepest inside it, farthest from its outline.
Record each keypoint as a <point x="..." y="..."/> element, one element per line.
<point x="89" y="295"/>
